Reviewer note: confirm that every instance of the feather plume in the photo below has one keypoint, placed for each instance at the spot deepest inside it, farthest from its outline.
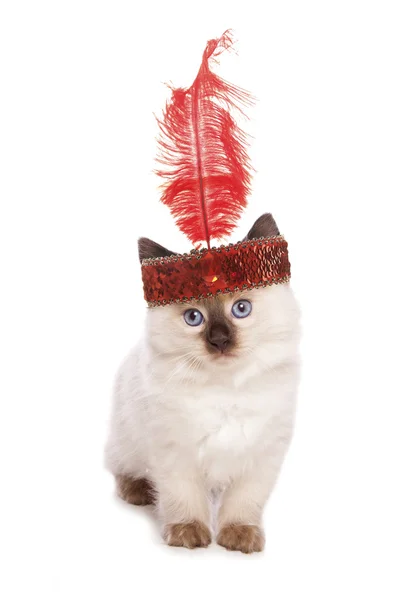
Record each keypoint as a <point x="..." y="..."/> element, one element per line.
<point x="203" y="155"/>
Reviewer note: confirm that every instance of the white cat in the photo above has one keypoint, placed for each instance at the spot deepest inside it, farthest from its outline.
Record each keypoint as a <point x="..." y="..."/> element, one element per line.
<point x="205" y="403"/>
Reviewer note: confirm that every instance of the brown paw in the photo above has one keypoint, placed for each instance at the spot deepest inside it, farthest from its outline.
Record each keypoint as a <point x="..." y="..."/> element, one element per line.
<point x="134" y="491"/>
<point x="246" y="538"/>
<point x="189" y="535"/>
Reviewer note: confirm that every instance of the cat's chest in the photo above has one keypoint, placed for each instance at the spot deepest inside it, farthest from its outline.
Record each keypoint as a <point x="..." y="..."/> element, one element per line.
<point x="222" y="418"/>
<point x="224" y="426"/>
<point x="226" y="422"/>
<point x="228" y="437"/>
<point x="221" y="431"/>
<point x="231" y="431"/>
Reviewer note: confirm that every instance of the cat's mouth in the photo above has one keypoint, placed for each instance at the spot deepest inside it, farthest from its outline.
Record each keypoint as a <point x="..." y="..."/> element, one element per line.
<point x="224" y="356"/>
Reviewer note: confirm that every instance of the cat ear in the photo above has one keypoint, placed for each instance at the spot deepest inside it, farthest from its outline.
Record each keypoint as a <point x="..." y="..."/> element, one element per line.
<point x="265" y="226"/>
<point x="149" y="249"/>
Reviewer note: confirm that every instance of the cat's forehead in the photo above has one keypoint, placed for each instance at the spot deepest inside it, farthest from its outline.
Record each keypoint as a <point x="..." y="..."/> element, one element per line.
<point x="217" y="306"/>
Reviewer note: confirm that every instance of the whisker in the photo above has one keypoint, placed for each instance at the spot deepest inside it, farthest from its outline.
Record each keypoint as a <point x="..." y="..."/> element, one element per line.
<point x="176" y="370"/>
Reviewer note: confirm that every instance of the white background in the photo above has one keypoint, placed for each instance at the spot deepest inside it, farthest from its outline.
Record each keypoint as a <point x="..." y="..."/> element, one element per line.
<point x="80" y="81"/>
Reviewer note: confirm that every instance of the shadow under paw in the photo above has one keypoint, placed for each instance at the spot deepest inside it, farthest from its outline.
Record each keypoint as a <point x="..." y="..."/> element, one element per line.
<point x="188" y="535"/>
<point x="245" y="538"/>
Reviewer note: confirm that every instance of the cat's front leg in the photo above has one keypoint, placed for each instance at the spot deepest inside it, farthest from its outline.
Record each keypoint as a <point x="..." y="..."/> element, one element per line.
<point x="185" y="510"/>
<point x="240" y="514"/>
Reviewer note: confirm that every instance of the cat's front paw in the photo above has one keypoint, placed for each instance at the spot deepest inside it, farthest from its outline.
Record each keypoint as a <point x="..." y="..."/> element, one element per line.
<point x="188" y="535"/>
<point x="245" y="538"/>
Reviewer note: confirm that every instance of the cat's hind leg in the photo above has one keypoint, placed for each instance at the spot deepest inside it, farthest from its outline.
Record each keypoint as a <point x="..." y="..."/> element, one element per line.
<point x="133" y="490"/>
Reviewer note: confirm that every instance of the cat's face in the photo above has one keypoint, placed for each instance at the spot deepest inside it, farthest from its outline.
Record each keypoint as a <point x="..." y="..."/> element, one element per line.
<point x="257" y="327"/>
<point x="227" y="331"/>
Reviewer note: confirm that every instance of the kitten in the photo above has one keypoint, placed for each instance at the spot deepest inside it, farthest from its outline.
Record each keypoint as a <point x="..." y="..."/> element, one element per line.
<point x="205" y="403"/>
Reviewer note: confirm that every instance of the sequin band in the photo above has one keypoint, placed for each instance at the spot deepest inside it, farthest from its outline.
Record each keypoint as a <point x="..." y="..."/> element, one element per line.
<point x="224" y="270"/>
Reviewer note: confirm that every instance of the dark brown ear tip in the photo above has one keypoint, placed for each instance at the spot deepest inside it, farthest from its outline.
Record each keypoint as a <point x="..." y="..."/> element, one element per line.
<point x="149" y="249"/>
<point x="264" y="226"/>
<point x="144" y="245"/>
<point x="267" y="220"/>
<point x="273" y="223"/>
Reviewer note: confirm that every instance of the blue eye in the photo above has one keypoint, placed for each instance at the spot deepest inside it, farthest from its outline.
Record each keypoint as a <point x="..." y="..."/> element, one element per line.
<point x="241" y="309"/>
<point x="193" y="317"/>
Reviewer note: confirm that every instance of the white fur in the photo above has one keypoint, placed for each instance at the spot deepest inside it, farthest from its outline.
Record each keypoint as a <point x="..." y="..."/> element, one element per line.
<point x="192" y="423"/>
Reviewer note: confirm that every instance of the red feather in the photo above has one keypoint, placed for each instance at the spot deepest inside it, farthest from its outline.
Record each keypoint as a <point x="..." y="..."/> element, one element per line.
<point x="207" y="172"/>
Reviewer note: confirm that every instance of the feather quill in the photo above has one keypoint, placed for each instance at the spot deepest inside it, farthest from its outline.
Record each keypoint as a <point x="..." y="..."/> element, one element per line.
<point x="203" y="156"/>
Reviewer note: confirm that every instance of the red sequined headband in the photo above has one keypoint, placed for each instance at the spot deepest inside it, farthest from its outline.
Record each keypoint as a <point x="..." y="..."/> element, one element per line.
<point x="206" y="273"/>
<point x="206" y="181"/>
